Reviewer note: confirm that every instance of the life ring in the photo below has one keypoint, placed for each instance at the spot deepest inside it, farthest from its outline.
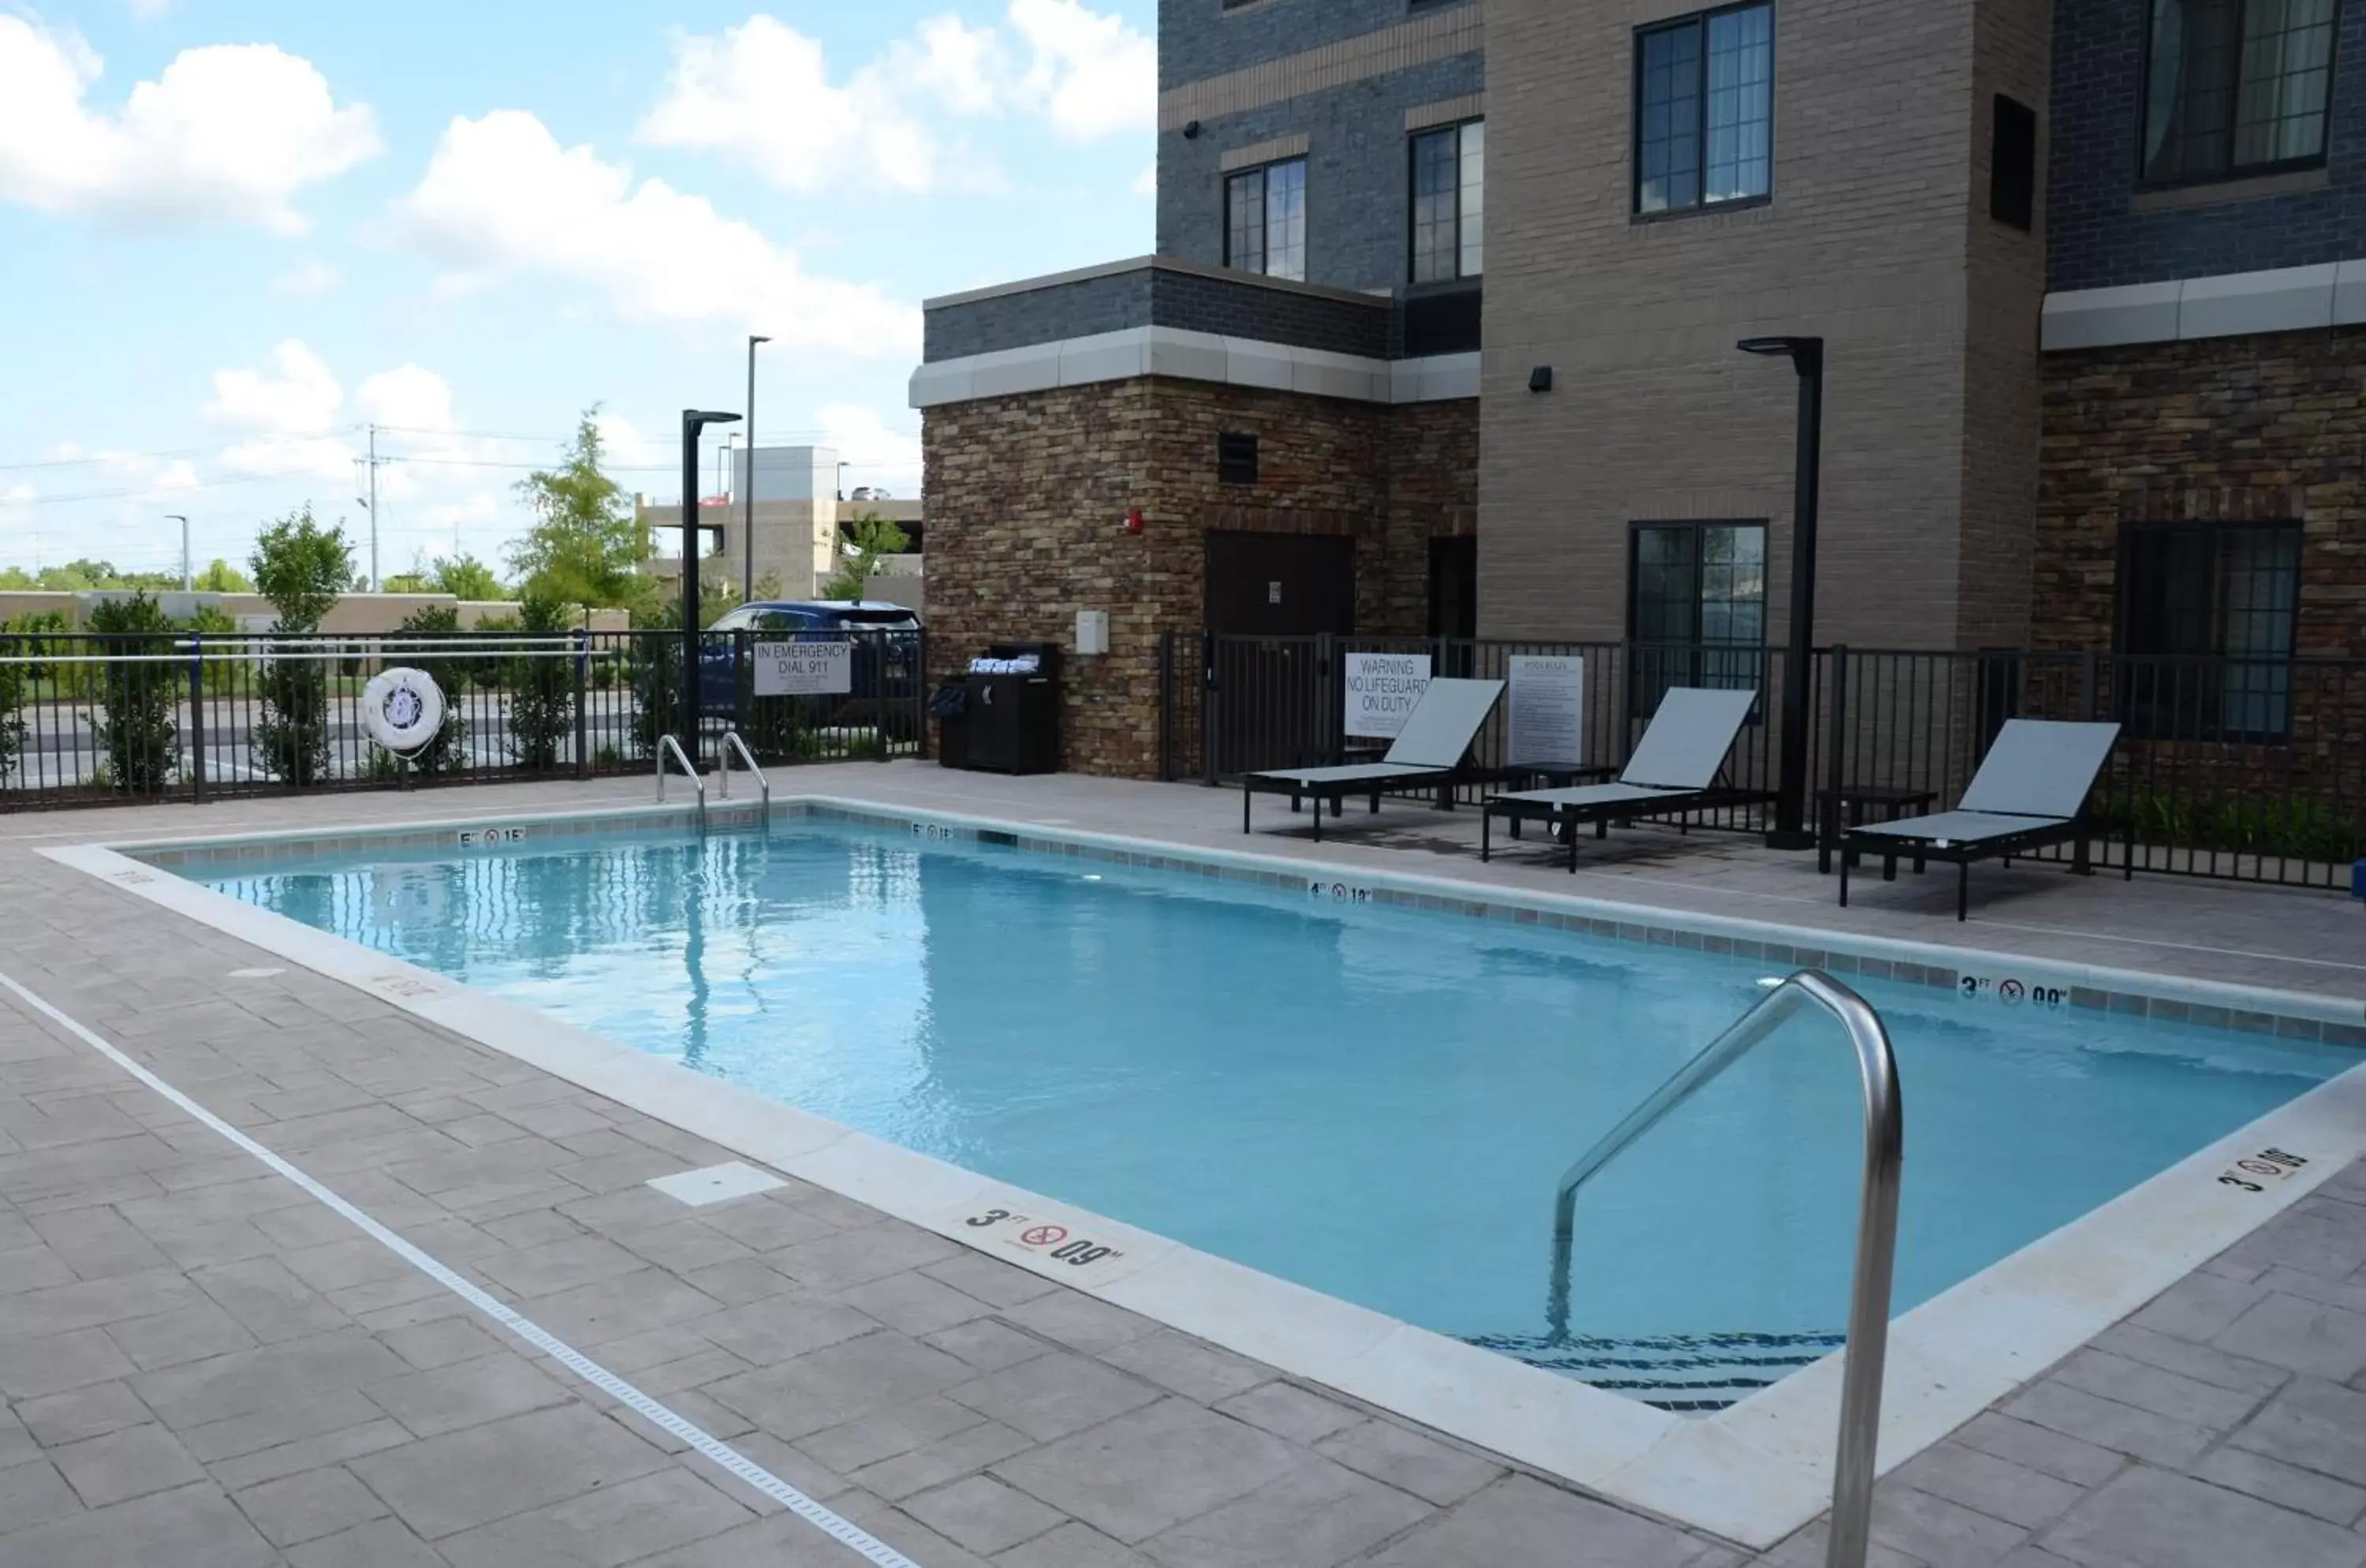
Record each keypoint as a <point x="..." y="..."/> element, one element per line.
<point x="402" y="709"/>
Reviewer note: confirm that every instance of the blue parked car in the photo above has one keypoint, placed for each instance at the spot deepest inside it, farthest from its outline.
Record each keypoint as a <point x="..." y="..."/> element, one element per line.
<point x="886" y="640"/>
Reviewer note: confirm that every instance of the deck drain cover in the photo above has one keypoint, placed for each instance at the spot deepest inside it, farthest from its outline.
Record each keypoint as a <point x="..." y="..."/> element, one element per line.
<point x="717" y="1184"/>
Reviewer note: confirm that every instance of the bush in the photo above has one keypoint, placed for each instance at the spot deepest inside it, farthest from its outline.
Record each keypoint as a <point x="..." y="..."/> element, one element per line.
<point x="448" y="752"/>
<point x="293" y="733"/>
<point x="12" y="722"/>
<point x="137" y="729"/>
<point x="301" y="568"/>
<point x="653" y="668"/>
<point x="542" y="692"/>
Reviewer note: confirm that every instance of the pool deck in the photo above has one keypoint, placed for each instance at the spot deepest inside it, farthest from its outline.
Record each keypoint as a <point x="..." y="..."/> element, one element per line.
<point x="205" y="1365"/>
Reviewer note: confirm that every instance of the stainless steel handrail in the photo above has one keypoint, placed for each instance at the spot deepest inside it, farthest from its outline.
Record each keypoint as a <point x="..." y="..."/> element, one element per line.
<point x="731" y="742"/>
<point x="668" y="746"/>
<point x="1876" y="1225"/>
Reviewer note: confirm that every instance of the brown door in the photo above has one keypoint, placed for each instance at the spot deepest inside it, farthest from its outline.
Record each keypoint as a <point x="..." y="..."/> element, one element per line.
<point x="1270" y="599"/>
<point x="1280" y="584"/>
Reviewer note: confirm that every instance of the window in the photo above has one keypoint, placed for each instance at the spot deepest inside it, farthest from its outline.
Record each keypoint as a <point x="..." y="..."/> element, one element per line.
<point x="2206" y="621"/>
<point x="1697" y="607"/>
<point x="1265" y="219"/>
<point x="1236" y="459"/>
<point x="1705" y="110"/>
<point x="1450" y="203"/>
<point x="2233" y="86"/>
<point x="2012" y="165"/>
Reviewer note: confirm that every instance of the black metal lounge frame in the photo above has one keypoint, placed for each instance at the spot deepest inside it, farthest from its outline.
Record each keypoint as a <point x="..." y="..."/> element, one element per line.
<point x="1336" y="792"/>
<point x="1604" y="814"/>
<point x="2044" y="832"/>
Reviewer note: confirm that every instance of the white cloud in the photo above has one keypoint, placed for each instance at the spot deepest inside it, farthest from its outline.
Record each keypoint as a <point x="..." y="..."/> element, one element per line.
<point x="307" y="278"/>
<point x="762" y="92"/>
<point x="874" y="453"/>
<point x="500" y="197"/>
<point x="1094" y="75"/>
<point x="229" y="133"/>
<point x="1146" y="182"/>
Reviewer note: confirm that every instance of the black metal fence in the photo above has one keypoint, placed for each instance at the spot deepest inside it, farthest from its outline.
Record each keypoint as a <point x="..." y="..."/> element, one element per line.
<point x="2243" y="769"/>
<point x="91" y="719"/>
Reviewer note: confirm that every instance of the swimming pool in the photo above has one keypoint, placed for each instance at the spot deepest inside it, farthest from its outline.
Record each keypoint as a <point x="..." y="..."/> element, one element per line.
<point x="1371" y="1102"/>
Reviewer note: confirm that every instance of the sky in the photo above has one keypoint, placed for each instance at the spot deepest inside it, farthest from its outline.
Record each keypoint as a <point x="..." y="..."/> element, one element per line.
<point x="239" y="232"/>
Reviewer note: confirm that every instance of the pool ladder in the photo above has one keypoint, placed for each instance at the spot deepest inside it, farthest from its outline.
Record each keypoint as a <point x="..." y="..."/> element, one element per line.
<point x="669" y="747"/>
<point x="731" y="742"/>
<point x="1876" y="1227"/>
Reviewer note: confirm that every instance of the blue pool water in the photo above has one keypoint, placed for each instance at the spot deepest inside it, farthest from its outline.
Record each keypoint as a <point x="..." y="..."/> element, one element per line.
<point x="1374" y="1102"/>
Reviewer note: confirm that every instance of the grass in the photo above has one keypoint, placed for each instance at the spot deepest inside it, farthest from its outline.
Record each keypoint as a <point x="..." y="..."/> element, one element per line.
<point x="2305" y="830"/>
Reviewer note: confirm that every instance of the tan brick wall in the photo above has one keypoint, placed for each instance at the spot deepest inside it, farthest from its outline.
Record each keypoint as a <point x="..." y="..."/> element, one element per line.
<point x="1026" y="497"/>
<point x="1655" y="416"/>
<point x="2266" y="429"/>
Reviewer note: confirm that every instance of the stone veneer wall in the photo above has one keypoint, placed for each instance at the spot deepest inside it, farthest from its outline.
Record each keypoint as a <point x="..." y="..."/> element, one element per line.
<point x="1026" y="499"/>
<point x="2269" y="428"/>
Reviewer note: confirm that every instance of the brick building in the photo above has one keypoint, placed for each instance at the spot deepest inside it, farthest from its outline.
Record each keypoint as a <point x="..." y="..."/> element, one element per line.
<point x="1440" y="337"/>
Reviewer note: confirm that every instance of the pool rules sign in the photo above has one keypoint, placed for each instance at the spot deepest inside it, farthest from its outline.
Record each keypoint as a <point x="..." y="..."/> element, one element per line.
<point x="1547" y="728"/>
<point x="804" y="668"/>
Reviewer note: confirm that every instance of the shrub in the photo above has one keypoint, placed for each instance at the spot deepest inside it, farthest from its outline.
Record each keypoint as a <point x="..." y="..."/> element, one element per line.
<point x="448" y="752"/>
<point x="138" y="729"/>
<point x="542" y="690"/>
<point x="12" y="722"/>
<point x="301" y="568"/>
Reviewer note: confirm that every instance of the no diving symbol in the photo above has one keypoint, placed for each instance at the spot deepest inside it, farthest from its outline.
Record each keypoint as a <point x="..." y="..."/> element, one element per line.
<point x="1045" y="1235"/>
<point x="2012" y="990"/>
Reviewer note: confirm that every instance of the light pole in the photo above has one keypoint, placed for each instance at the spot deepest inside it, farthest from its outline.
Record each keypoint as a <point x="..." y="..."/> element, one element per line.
<point x="748" y="514"/>
<point x="186" y="581"/>
<point x="1807" y="357"/>
<point x="693" y="422"/>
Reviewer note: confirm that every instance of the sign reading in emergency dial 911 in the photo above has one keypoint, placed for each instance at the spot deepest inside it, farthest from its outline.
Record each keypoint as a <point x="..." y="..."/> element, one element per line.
<point x="804" y="668"/>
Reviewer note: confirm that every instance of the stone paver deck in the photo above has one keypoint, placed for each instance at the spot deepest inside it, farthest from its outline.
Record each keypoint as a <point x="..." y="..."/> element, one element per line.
<point x="203" y="1367"/>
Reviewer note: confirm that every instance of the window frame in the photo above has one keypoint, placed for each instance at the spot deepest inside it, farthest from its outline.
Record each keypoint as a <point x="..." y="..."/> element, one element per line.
<point x="1460" y="280"/>
<point x="1264" y="217"/>
<point x="2145" y="180"/>
<point x="1641" y="704"/>
<point x="1700" y="130"/>
<point x="2128" y="701"/>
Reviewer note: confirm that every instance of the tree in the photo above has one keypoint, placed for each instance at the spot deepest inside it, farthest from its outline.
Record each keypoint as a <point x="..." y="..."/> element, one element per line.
<point x="223" y="577"/>
<point x="17" y="580"/>
<point x="142" y="692"/>
<point x="585" y="546"/>
<point x="466" y="578"/>
<point x="302" y="568"/>
<point x="869" y="537"/>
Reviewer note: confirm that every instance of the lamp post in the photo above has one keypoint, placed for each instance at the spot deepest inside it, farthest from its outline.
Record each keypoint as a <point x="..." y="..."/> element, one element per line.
<point x="693" y="422"/>
<point x="1807" y="357"/>
<point x="186" y="581"/>
<point x="748" y="507"/>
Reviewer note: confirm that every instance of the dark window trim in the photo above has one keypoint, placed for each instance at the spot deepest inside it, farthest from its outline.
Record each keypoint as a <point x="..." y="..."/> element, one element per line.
<point x="2128" y="697"/>
<point x="1225" y="185"/>
<point x="2317" y="160"/>
<point x="1635" y="116"/>
<point x="1634" y="574"/>
<point x="2013" y="207"/>
<point x="1460" y="280"/>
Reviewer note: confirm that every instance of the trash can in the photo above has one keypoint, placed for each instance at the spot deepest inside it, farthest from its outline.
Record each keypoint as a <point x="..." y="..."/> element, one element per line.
<point x="1006" y="719"/>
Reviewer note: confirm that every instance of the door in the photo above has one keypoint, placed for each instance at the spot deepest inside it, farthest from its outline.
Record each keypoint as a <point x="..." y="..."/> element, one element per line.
<point x="1269" y="585"/>
<point x="1270" y="597"/>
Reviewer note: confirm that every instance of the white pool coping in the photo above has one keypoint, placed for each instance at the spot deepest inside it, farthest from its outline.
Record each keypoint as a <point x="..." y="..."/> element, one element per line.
<point x="1753" y="1473"/>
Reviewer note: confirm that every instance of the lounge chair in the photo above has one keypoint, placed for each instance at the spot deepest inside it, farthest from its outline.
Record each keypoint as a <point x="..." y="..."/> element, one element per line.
<point x="1675" y="768"/>
<point x="2031" y="792"/>
<point x="1429" y="751"/>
